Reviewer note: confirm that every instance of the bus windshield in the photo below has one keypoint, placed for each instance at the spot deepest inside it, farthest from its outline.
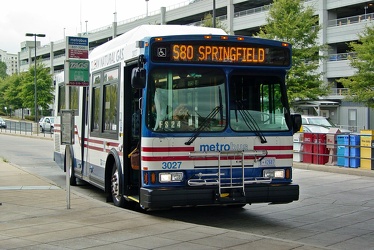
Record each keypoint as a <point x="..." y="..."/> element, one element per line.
<point x="186" y="99"/>
<point x="256" y="103"/>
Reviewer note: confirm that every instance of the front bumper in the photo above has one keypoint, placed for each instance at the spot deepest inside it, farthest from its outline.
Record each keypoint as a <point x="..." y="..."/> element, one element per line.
<point x="167" y="198"/>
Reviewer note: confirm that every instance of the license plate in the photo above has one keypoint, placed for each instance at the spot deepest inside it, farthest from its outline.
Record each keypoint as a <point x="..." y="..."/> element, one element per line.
<point x="268" y="162"/>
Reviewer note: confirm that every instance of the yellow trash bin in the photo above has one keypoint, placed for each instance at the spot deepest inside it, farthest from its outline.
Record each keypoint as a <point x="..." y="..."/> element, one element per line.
<point x="366" y="138"/>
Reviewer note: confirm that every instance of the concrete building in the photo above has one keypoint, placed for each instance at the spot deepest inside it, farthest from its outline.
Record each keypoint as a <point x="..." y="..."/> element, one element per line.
<point x="11" y="61"/>
<point x="341" y="20"/>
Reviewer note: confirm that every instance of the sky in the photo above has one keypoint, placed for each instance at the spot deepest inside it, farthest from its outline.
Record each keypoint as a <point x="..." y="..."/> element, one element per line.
<point x="56" y="18"/>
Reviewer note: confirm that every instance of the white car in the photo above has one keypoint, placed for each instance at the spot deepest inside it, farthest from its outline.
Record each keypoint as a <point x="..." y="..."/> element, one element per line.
<point x="321" y="121"/>
<point x="47" y="124"/>
<point x="309" y="128"/>
<point x="2" y="123"/>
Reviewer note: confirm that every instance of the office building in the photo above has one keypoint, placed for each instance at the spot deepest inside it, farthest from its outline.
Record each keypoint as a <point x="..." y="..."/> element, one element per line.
<point x="11" y="61"/>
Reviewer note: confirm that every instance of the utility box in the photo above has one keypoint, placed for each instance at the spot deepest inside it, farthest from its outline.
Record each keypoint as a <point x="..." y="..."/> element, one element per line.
<point x="354" y="151"/>
<point x="308" y="148"/>
<point x="297" y="147"/>
<point x="366" y="139"/>
<point x="343" y="150"/>
<point x="320" y="153"/>
<point x="331" y="145"/>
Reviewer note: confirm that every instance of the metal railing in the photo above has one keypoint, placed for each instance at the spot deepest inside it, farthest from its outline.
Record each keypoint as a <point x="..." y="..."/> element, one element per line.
<point x="339" y="91"/>
<point x="351" y="20"/>
<point x="342" y="56"/>
<point x="350" y="150"/>
<point x="25" y="128"/>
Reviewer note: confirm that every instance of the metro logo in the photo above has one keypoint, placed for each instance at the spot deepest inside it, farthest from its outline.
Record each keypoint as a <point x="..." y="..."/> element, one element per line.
<point x="223" y="147"/>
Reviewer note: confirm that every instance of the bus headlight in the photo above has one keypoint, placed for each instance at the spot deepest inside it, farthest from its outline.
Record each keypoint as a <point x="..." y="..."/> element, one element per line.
<point x="171" y="177"/>
<point x="274" y="173"/>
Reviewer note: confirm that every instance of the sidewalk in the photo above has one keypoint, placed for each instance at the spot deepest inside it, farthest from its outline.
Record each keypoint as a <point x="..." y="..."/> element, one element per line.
<point x="334" y="169"/>
<point x="34" y="215"/>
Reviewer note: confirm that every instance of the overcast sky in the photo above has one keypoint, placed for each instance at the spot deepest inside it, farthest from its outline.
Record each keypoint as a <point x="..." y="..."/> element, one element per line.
<point x="53" y="18"/>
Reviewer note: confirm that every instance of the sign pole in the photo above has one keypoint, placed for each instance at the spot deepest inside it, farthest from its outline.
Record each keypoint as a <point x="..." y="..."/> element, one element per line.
<point x="77" y="73"/>
<point x="67" y="138"/>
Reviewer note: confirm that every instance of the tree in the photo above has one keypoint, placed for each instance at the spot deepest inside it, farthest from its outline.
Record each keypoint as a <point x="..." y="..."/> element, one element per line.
<point x="12" y="92"/>
<point x="3" y="87"/>
<point x="290" y="22"/>
<point x="208" y="22"/>
<point x="3" y="69"/>
<point x="361" y="83"/>
<point x="44" y="85"/>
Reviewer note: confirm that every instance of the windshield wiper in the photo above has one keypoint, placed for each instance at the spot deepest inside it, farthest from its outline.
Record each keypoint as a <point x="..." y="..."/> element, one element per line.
<point x="204" y="124"/>
<point x="249" y="121"/>
<point x="207" y="119"/>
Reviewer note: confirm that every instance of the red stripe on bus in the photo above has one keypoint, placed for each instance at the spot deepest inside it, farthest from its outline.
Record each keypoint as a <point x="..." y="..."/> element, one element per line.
<point x="187" y="158"/>
<point x="168" y="149"/>
<point x="288" y="147"/>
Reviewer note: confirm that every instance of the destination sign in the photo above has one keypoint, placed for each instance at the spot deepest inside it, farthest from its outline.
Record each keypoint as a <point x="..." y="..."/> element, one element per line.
<point x="227" y="53"/>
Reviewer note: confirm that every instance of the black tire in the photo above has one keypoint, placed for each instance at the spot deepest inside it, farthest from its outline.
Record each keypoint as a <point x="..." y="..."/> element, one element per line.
<point x="116" y="188"/>
<point x="69" y="165"/>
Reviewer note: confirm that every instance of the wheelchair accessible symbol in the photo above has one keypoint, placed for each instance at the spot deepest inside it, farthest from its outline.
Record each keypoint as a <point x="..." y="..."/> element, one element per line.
<point x="161" y="52"/>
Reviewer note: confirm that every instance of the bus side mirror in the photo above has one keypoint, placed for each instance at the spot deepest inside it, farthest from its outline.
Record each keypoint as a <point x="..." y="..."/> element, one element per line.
<point x="138" y="78"/>
<point x="296" y="122"/>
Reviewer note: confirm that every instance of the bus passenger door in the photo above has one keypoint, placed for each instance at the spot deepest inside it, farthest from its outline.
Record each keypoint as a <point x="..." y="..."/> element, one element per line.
<point x="132" y="127"/>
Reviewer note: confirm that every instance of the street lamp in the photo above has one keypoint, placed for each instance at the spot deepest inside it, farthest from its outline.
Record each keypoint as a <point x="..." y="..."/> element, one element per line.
<point x="366" y="8"/>
<point x="36" y="102"/>
<point x="146" y="10"/>
<point x="214" y="13"/>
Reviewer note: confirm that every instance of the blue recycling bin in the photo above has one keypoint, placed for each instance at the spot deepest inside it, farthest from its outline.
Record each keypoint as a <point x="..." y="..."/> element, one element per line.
<point x="343" y="150"/>
<point x="354" y="151"/>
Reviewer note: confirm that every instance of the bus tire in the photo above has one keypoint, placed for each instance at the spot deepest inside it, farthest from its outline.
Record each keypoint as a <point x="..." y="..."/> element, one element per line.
<point x="116" y="188"/>
<point x="69" y="164"/>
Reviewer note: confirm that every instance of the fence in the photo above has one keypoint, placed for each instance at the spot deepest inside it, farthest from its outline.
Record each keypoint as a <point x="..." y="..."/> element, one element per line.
<point x="24" y="128"/>
<point x="350" y="150"/>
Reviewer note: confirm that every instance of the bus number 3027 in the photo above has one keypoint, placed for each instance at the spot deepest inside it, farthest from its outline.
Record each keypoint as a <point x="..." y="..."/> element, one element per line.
<point x="171" y="165"/>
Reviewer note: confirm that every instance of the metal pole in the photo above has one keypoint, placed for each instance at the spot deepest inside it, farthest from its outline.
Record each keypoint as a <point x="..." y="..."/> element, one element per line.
<point x="36" y="104"/>
<point x="146" y="5"/>
<point x="35" y="87"/>
<point x="214" y="13"/>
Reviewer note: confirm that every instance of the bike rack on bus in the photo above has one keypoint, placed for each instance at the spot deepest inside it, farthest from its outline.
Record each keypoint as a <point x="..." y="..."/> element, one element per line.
<point x="219" y="177"/>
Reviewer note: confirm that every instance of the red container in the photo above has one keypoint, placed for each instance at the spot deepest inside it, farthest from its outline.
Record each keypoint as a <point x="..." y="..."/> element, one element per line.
<point x="320" y="151"/>
<point x="308" y="148"/>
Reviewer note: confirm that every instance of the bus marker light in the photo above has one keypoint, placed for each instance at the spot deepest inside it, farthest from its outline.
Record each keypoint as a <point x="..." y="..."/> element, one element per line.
<point x="145" y="178"/>
<point x="224" y="195"/>
<point x="288" y="174"/>
<point x="153" y="178"/>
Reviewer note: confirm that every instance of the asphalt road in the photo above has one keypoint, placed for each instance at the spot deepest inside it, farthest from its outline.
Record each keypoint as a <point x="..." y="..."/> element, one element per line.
<point x="335" y="211"/>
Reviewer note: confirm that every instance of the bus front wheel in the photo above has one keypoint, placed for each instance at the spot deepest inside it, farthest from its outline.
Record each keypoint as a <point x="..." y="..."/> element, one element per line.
<point x="116" y="190"/>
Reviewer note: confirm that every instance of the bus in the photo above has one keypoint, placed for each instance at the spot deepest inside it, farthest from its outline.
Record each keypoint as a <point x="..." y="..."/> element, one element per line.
<point x="182" y="116"/>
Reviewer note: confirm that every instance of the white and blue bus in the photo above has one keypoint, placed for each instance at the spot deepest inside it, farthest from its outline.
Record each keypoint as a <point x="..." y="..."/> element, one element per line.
<point x="183" y="116"/>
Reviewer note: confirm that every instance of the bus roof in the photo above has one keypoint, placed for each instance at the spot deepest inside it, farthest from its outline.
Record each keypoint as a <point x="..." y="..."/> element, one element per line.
<point x="103" y="56"/>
